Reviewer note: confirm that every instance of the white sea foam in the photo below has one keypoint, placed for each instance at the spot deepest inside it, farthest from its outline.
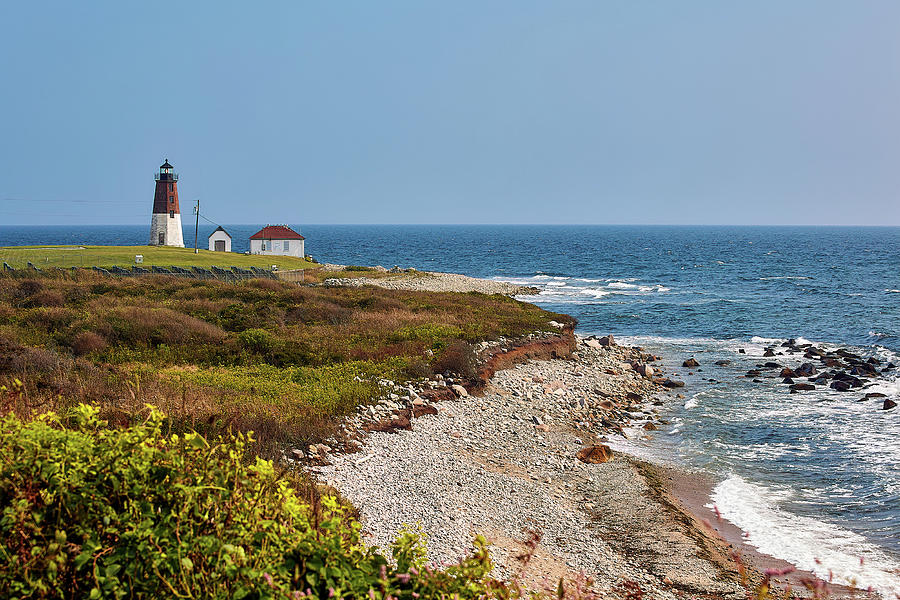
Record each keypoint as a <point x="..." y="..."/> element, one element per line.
<point x="559" y="289"/>
<point x="767" y="341"/>
<point x="692" y="403"/>
<point x="893" y="291"/>
<point x="594" y="292"/>
<point x="810" y="544"/>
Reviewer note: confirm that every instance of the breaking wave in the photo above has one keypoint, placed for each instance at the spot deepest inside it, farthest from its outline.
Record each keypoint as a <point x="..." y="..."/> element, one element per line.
<point x="811" y="544"/>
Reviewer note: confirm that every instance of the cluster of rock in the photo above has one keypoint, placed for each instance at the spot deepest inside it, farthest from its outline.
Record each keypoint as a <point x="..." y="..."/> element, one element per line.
<point x="839" y="369"/>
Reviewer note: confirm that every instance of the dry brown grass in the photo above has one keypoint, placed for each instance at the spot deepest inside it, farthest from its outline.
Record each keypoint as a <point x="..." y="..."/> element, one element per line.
<point x="84" y="337"/>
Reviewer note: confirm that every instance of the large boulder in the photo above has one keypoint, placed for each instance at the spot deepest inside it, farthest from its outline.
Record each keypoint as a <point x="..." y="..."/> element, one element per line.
<point x="607" y="340"/>
<point x="787" y="372"/>
<point x="889" y="404"/>
<point x="644" y="369"/>
<point x="805" y="370"/>
<point x="673" y="383"/>
<point x="599" y="453"/>
<point x="803" y="387"/>
<point x="691" y="362"/>
<point x="840" y="385"/>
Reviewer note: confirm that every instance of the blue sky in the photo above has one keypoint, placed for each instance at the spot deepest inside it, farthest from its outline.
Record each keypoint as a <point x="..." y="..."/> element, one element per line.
<point x="683" y="112"/>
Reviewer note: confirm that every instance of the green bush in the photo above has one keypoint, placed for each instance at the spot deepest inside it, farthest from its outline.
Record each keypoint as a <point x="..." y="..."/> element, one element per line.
<point x="92" y="512"/>
<point x="256" y="340"/>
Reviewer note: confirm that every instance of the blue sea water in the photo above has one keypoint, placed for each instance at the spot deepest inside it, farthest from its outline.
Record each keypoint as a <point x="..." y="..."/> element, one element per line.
<point x="813" y="477"/>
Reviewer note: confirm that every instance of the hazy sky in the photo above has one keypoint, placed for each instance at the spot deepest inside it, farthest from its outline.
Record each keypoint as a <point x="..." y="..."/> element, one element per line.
<point x="772" y="112"/>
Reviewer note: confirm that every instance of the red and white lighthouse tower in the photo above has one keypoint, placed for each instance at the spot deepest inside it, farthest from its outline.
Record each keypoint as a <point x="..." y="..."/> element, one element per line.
<point x="165" y="224"/>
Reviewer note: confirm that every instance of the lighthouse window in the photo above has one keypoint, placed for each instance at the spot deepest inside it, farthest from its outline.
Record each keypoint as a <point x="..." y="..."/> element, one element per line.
<point x="171" y="198"/>
<point x="171" y="187"/>
<point x="171" y="214"/>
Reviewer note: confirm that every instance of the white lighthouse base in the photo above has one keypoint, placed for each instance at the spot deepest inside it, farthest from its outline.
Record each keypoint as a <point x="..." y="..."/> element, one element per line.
<point x="166" y="230"/>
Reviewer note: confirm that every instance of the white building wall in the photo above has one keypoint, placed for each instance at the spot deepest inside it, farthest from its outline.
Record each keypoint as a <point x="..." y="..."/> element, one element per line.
<point x="220" y="236"/>
<point x="277" y="247"/>
<point x="169" y="227"/>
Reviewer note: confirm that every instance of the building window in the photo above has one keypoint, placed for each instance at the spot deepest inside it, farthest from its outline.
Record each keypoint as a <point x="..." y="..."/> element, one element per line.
<point x="264" y="245"/>
<point x="171" y="214"/>
<point x="287" y="246"/>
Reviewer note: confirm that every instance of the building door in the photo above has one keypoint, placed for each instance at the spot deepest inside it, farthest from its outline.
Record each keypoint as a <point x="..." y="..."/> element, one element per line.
<point x="162" y="238"/>
<point x="220" y="245"/>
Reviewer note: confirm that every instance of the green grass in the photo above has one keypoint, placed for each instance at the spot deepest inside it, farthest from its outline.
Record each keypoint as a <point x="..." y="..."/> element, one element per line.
<point x="123" y="256"/>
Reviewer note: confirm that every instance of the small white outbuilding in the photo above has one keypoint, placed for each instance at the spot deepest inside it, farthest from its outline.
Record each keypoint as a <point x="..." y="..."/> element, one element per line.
<point x="277" y="240"/>
<point x="219" y="240"/>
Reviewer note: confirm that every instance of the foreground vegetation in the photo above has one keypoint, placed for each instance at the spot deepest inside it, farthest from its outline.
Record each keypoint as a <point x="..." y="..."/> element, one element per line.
<point x="276" y="358"/>
<point x="92" y="512"/>
<point x="65" y="257"/>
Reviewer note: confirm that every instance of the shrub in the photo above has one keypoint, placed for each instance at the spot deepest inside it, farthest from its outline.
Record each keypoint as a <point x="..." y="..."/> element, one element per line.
<point x="29" y="287"/>
<point x="139" y="325"/>
<point x="267" y="284"/>
<point x="46" y="298"/>
<point x="91" y="512"/>
<point x="15" y="358"/>
<point x="256" y="340"/>
<point x="417" y="368"/>
<point x="87" y="342"/>
<point x="459" y="357"/>
<point x="49" y="319"/>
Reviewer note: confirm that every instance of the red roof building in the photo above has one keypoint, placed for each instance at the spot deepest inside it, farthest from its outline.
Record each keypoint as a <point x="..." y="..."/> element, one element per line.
<point x="276" y="232"/>
<point x="277" y="240"/>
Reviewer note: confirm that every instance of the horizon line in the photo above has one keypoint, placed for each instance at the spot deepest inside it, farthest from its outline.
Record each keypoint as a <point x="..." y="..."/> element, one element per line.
<point x="809" y="225"/>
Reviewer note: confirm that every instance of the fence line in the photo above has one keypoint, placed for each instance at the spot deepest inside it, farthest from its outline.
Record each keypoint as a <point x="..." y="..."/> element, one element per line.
<point x="220" y="273"/>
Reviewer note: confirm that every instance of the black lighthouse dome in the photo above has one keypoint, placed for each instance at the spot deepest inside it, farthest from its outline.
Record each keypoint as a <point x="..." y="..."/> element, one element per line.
<point x="166" y="172"/>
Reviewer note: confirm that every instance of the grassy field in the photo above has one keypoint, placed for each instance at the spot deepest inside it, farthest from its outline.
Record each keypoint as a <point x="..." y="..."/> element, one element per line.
<point x="283" y="360"/>
<point x="123" y="256"/>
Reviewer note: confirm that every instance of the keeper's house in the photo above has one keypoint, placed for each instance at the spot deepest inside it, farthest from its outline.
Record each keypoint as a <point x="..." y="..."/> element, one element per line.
<point x="277" y="240"/>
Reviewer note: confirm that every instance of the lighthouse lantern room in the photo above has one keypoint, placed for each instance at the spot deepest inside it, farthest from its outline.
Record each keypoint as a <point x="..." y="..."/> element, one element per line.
<point x="165" y="224"/>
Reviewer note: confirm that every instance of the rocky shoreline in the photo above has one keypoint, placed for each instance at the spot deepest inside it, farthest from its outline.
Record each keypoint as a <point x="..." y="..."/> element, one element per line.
<point x="518" y="452"/>
<point x="527" y="457"/>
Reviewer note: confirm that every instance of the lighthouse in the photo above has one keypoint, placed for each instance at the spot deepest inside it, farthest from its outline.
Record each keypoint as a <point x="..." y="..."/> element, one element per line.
<point x="165" y="224"/>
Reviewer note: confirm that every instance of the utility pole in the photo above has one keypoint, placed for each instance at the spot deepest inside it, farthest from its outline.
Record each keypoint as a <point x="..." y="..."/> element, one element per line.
<point x="196" y="226"/>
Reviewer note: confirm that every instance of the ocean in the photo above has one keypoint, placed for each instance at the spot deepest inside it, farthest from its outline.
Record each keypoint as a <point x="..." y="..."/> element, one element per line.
<point x="813" y="478"/>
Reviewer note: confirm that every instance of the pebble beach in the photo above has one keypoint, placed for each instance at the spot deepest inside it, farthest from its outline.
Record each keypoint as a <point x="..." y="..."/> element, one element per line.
<point x="506" y="465"/>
